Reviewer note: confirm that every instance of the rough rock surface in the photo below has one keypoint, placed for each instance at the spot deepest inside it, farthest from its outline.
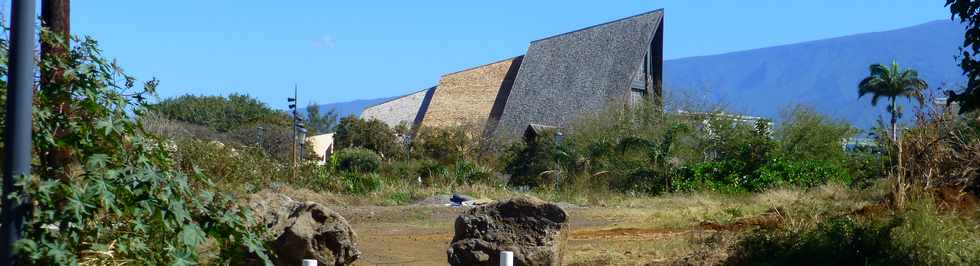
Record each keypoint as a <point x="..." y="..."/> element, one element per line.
<point x="305" y="230"/>
<point x="533" y="229"/>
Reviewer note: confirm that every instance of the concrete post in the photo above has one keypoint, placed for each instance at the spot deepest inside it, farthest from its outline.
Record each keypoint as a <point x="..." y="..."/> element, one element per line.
<point x="506" y="258"/>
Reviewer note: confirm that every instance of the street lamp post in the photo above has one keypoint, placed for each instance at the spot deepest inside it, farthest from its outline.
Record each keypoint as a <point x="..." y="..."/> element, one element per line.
<point x="17" y="131"/>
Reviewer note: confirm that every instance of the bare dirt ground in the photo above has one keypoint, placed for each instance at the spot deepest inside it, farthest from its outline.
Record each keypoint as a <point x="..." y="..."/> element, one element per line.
<point x="420" y="235"/>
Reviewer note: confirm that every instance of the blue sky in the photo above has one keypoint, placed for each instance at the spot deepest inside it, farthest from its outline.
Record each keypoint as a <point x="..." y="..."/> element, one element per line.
<point x="344" y="50"/>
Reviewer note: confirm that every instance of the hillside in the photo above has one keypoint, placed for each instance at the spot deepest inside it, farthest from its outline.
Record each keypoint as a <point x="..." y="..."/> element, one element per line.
<point x="822" y="73"/>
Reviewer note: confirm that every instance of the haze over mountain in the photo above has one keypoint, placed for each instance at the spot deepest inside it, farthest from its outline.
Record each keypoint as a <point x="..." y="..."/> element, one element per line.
<point x="822" y="73"/>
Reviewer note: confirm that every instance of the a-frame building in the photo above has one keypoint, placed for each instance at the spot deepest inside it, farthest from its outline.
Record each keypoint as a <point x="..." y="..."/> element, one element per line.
<point x="584" y="71"/>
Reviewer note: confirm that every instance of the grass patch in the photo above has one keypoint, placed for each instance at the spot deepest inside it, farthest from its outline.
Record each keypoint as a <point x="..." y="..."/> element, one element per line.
<point x="919" y="236"/>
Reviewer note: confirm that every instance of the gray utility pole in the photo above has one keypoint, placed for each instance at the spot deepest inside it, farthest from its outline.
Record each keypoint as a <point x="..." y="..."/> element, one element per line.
<point x="17" y="131"/>
<point x="293" y="107"/>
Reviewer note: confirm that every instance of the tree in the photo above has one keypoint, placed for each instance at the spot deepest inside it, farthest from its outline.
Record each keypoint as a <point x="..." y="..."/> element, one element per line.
<point x="223" y="114"/>
<point x="969" y="13"/>
<point x="320" y="123"/>
<point x="123" y="193"/>
<point x="371" y="134"/>
<point x="805" y="134"/>
<point x="892" y="82"/>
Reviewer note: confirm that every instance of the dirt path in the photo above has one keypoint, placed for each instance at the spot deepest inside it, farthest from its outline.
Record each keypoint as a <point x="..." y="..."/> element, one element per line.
<point x="420" y="236"/>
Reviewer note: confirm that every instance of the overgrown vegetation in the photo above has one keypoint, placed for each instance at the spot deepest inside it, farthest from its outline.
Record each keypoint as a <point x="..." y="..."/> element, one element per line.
<point x="919" y="236"/>
<point x="118" y="197"/>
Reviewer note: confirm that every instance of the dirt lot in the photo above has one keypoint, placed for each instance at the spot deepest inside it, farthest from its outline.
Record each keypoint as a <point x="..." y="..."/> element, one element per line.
<point x="420" y="235"/>
<point x="676" y="229"/>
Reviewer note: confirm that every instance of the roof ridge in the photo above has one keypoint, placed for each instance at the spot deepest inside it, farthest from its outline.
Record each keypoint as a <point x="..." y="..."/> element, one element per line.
<point x="599" y="25"/>
<point x="483" y="65"/>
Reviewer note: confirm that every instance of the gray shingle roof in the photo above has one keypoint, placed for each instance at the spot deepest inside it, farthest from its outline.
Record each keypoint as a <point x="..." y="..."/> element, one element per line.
<point x="577" y="72"/>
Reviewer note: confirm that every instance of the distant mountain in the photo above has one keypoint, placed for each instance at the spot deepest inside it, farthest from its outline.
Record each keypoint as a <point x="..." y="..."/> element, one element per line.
<point x="822" y="73"/>
<point x="349" y="108"/>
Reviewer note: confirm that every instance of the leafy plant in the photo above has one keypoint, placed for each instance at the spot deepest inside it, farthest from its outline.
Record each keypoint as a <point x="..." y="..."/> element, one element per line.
<point x="804" y="134"/>
<point x="353" y="132"/>
<point x="445" y="145"/>
<point x="918" y="237"/>
<point x="362" y="184"/>
<point x="969" y="13"/>
<point x="359" y="160"/>
<point x="220" y="113"/>
<point x="121" y="199"/>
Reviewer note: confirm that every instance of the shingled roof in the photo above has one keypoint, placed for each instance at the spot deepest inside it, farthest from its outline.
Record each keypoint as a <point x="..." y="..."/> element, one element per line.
<point x="578" y="72"/>
<point x="408" y="108"/>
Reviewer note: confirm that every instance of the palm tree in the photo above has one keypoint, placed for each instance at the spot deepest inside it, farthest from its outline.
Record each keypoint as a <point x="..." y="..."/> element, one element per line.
<point x="892" y="82"/>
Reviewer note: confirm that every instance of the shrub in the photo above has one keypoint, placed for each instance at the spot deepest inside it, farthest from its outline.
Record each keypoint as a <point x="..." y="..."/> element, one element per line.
<point x="445" y="145"/>
<point x="123" y="201"/>
<point x="527" y="163"/>
<point x="228" y="165"/>
<point x="734" y="176"/>
<point x="804" y="174"/>
<point x="353" y="132"/>
<point x="359" y="160"/>
<point x="943" y="150"/>
<point x="362" y="183"/>
<point x="432" y="172"/>
<point x="220" y="113"/>
<point x="918" y="237"/>
<point x="468" y="172"/>
<point x="722" y="176"/>
<point x="804" y="134"/>
<point x="728" y="139"/>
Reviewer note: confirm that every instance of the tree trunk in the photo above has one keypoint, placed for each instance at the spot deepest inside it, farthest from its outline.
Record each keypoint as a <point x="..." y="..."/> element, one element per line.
<point x="55" y="16"/>
<point x="894" y="121"/>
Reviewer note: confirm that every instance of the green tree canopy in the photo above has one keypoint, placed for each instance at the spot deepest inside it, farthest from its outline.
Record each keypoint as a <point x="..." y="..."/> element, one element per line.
<point x="371" y="134"/>
<point x="969" y="13"/>
<point x="320" y="123"/>
<point x="223" y="114"/>
<point x="805" y="134"/>
<point x="892" y="82"/>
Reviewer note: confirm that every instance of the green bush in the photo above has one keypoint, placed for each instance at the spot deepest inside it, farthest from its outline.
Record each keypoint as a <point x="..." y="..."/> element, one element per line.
<point x="432" y="172"/>
<point x="362" y="184"/>
<point x="468" y="172"/>
<point x="358" y="160"/>
<point x="117" y="198"/>
<point x="722" y="176"/>
<point x="732" y="176"/>
<point x="528" y="163"/>
<point x="445" y="145"/>
<point x="220" y="113"/>
<point x="804" y="174"/>
<point x="228" y="165"/>
<point x="353" y="132"/>
<point x="920" y="236"/>
<point x="804" y="134"/>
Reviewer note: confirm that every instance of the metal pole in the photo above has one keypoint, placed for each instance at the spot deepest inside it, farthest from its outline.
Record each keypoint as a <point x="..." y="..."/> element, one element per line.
<point x="17" y="131"/>
<point x="292" y="166"/>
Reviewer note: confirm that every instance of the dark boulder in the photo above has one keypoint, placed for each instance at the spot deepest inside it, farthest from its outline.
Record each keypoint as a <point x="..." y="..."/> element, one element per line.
<point x="533" y="229"/>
